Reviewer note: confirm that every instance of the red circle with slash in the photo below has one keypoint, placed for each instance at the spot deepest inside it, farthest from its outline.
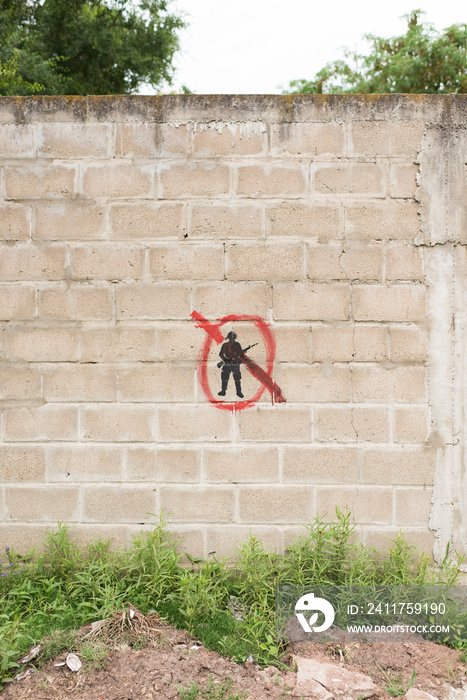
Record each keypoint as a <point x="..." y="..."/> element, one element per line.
<point x="213" y="334"/>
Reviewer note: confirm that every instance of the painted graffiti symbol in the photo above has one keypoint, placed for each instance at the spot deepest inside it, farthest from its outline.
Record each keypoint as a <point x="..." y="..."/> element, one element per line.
<point x="232" y="357"/>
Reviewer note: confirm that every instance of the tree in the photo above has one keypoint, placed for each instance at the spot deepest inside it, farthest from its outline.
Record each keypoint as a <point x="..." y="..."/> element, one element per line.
<point x="421" y="61"/>
<point x="83" y="47"/>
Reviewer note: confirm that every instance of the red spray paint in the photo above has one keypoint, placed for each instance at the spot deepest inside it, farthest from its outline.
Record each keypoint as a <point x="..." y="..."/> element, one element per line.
<point x="213" y="334"/>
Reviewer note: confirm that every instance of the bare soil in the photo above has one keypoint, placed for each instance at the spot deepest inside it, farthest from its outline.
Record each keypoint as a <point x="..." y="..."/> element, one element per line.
<point x="172" y="659"/>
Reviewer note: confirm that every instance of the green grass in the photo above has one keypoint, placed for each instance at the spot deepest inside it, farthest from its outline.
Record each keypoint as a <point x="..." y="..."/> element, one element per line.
<point x="66" y="586"/>
<point x="221" y="691"/>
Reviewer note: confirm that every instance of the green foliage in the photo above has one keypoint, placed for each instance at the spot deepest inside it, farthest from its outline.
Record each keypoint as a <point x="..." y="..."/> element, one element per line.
<point x="221" y="691"/>
<point x="11" y="636"/>
<point x="67" y="586"/>
<point x="394" y="685"/>
<point x="83" y="47"/>
<point x="420" y="61"/>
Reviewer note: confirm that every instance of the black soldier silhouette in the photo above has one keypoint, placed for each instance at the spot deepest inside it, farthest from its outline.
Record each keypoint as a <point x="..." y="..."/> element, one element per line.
<point x="231" y="354"/>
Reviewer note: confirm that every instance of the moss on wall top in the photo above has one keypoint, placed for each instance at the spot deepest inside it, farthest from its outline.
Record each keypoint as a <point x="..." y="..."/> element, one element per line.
<point x="267" y="108"/>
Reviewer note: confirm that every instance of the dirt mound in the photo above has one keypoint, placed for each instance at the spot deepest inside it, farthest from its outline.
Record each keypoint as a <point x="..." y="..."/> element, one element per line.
<point x="174" y="665"/>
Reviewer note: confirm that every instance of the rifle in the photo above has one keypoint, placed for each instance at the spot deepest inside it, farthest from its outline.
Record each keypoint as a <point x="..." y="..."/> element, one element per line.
<point x="219" y="364"/>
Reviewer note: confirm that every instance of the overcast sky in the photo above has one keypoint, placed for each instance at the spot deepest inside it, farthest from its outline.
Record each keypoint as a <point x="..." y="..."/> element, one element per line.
<point x="257" y="46"/>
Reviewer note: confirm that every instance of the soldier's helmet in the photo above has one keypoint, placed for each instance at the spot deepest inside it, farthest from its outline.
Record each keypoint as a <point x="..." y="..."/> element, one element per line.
<point x="231" y="335"/>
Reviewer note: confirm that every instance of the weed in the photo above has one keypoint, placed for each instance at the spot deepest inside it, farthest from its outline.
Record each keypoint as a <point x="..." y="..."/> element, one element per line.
<point x="214" y="691"/>
<point x="55" y="644"/>
<point x="228" y="605"/>
<point x="394" y="685"/>
<point x="93" y="654"/>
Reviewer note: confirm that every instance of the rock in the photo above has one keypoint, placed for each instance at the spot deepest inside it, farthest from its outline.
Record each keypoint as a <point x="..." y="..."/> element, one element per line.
<point x="416" y="694"/>
<point x="455" y="693"/>
<point x="325" y="681"/>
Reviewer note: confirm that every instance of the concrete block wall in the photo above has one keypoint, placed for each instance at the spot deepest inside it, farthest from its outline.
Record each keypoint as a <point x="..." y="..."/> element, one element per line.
<point x="120" y="216"/>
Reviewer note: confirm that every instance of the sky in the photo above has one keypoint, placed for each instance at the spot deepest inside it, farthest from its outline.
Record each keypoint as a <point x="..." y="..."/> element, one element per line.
<point x="258" y="46"/>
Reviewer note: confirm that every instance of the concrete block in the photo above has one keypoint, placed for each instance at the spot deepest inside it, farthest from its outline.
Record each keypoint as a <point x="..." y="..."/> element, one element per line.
<point x="17" y="302"/>
<point x="269" y="504"/>
<point x="146" y="220"/>
<point x="398" y="465"/>
<point x="55" y="344"/>
<point x="120" y="344"/>
<point x="117" y="180"/>
<point x="382" y="221"/>
<point x="422" y="538"/>
<point x="69" y="222"/>
<point x="408" y="344"/>
<point x="76" y="302"/>
<point x="350" y="342"/>
<point x="153" y="301"/>
<point x="118" y="423"/>
<point x="15" y="222"/>
<point x="405" y="138"/>
<point x="18" y="140"/>
<point x="403" y="180"/>
<point x="314" y="383"/>
<point x="326" y="262"/>
<point x="80" y="382"/>
<point x="370" y="138"/>
<point x="112" y="262"/>
<point x="383" y="303"/>
<point x="151" y="140"/>
<point x="357" y="179"/>
<point x="19" y="383"/>
<point x="46" y="422"/>
<point x="222" y="222"/>
<point x="80" y="463"/>
<point x="242" y="464"/>
<point x="178" y="343"/>
<point x="396" y="383"/>
<point x="119" y="504"/>
<point x="224" y="540"/>
<point x="119" y="536"/>
<point x="194" y="423"/>
<point x="23" y="538"/>
<point x="334" y="425"/>
<point x="295" y="139"/>
<point x="182" y="261"/>
<point x="366" y="505"/>
<point x="270" y="262"/>
<point x="272" y="181"/>
<point x="197" y="504"/>
<point x="74" y="140"/>
<point x="28" y="262"/>
<point x="40" y="181"/>
<point x="370" y="424"/>
<point x="404" y="262"/>
<point x="413" y="506"/>
<point x="215" y="139"/>
<point x="320" y="222"/>
<point x="275" y="424"/>
<point x="159" y="465"/>
<point x="189" y="541"/>
<point x="216" y="300"/>
<point x="53" y="503"/>
<point x="297" y="301"/>
<point x="292" y="343"/>
<point x="315" y="464"/>
<point x="411" y="425"/>
<point x="190" y="179"/>
<point x="21" y="464"/>
<point x="157" y="383"/>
